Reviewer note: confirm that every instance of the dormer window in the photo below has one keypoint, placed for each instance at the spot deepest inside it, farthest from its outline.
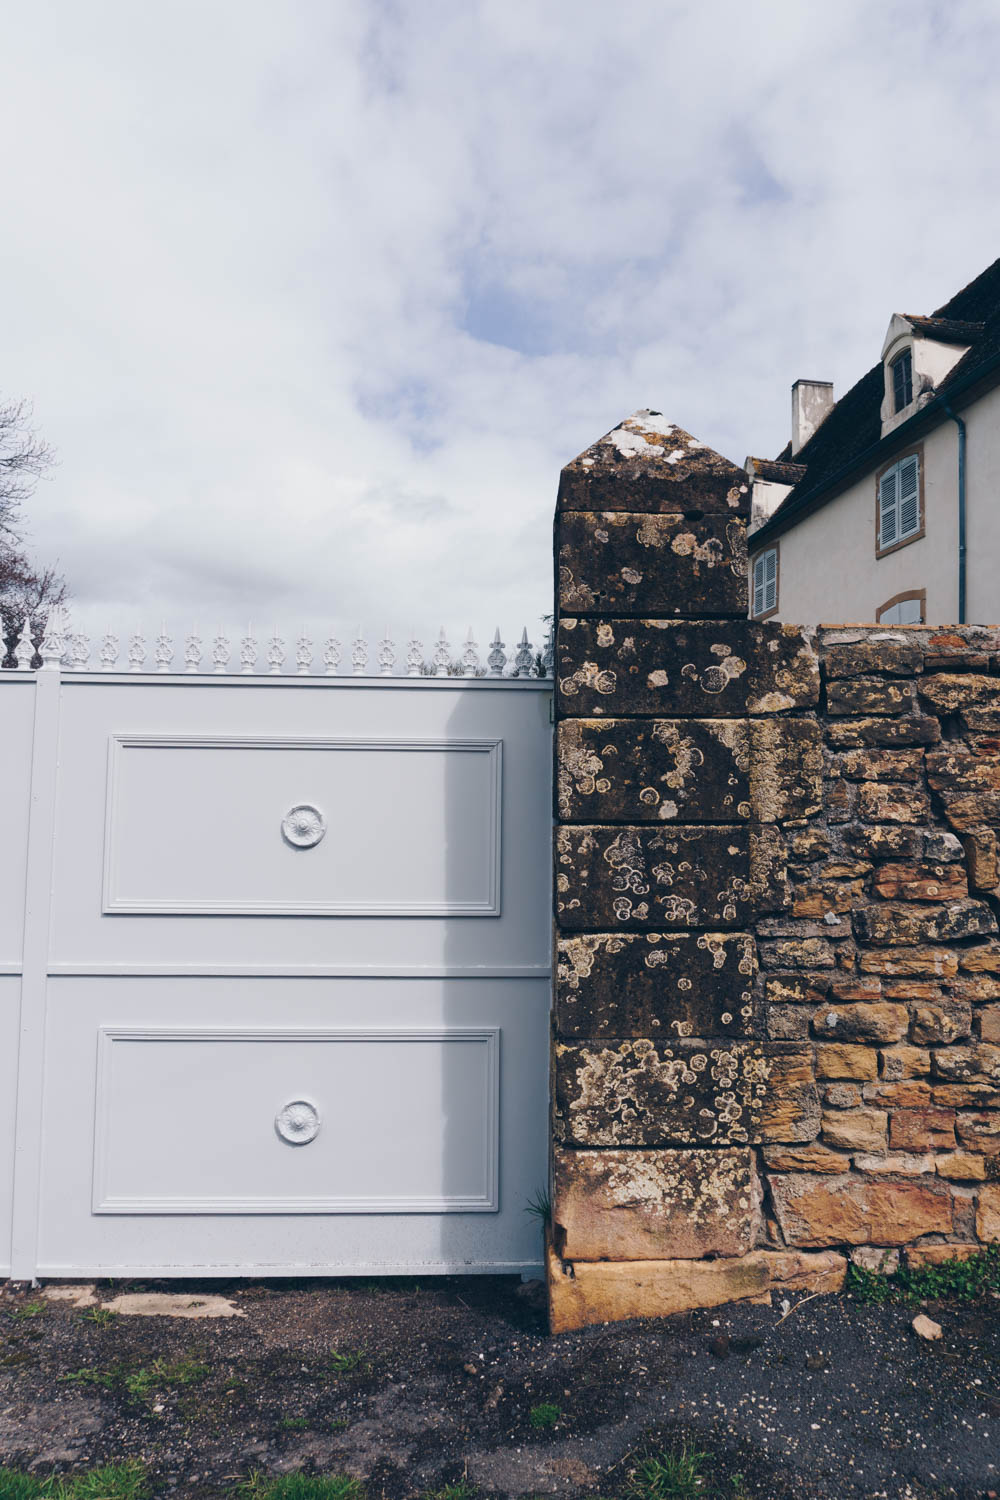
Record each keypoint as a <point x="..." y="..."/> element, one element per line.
<point x="902" y="380"/>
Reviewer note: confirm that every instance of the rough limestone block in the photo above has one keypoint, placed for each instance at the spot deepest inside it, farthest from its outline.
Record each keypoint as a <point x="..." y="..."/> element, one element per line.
<point x="641" y="1093"/>
<point x="918" y="1256"/>
<point x="687" y="770"/>
<point x="876" y="1022"/>
<point x="961" y="1166"/>
<point x="965" y="1063"/>
<point x="617" y="564"/>
<point x="629" y="878"/>
<point x="888" y="802"/>
<point x="989" y="1024"/>
<point x="809" y="1158"/>
<point x="968" y="784"/>
<point x="835" y="1060"/>
<point x="948" y="692"/>
<point x="939" y="963"/>
<point x="790" y="1110"/>
<point x="726" y="668"/>
<point x="868" y="696"/>
<point x="921" y="880"/>
<point x="647" y="464"/>
<point x="929" y="1129"/>
<point x="609" y="1291"/>
<point x="854" y="1210"/>
<point x="856" y="1129"/>
<point x="980" y="1131"/>
<point x="653" y="1205"/>
<point x="895" y="924"/>
<point x="915" y="729"/>
<point x="948" y="1020"/>
<point x="655" y="985"/>
<point x="982" y="858"/>
<point x="886" y="658"/>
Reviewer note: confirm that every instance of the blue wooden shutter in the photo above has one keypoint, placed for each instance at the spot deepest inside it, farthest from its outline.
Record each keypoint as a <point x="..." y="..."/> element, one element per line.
<point x="888" y="529"/>
<point x="909" y="496"/>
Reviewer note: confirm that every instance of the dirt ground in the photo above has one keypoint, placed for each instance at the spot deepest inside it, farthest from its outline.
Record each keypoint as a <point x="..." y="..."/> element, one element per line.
<point x="416" y="1385"/>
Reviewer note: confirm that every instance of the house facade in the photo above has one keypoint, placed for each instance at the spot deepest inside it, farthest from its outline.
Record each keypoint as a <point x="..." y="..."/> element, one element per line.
<point x="883" y="506"/>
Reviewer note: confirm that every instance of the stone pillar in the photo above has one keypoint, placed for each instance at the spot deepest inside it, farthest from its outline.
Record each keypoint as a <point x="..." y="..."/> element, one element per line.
<point x="678" y="752"/>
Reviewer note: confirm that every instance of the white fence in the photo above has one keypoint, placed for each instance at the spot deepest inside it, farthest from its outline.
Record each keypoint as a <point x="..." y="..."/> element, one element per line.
<point x="274" y="957"/>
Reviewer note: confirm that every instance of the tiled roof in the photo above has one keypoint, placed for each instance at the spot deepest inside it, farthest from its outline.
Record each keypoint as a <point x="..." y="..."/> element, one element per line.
<point x="775" y="471"/>
<point x="853" y="429"/>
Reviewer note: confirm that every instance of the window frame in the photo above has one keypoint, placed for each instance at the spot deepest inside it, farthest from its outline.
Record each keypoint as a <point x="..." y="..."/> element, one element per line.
<point x="904" y="354"/>
<point x="914" y="536"/>
<point x="920" y="594"/>
<point x="759" y="557"/>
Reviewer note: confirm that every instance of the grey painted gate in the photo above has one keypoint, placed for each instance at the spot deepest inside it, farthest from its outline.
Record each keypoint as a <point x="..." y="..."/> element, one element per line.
<point x="274" y="973"/>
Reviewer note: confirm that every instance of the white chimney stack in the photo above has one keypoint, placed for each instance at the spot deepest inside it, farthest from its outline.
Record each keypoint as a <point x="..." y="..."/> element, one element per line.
<point x="812" y="402"/>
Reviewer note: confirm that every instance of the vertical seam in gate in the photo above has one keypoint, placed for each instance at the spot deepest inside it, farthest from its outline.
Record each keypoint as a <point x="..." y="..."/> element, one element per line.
<point x="34" y="976"/>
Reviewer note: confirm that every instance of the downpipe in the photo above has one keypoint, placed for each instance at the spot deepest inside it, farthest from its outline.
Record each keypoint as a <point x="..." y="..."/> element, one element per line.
<point x="959" y="423"/>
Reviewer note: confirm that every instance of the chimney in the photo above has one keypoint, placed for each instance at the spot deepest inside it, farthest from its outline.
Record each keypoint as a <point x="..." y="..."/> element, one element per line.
<point x="812" y="402"/>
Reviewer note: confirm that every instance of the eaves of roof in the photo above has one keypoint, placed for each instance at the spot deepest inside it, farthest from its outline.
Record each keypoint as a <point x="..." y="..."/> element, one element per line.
<point x="959" y="391"/>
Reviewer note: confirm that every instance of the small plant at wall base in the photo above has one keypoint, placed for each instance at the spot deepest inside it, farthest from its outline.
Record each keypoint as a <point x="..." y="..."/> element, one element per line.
<point x="959" y="1280"/>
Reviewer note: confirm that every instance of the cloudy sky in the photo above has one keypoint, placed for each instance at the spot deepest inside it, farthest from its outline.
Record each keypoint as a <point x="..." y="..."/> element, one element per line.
<point x="315" y="297"/>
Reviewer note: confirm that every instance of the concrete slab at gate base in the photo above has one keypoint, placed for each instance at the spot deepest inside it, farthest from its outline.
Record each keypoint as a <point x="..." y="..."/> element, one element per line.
<point x="586" y="1292"/>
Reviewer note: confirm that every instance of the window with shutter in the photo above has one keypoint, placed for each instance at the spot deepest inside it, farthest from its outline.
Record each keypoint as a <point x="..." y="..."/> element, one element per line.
<point x="765" y="582"/>
<point x="900" y="515"/>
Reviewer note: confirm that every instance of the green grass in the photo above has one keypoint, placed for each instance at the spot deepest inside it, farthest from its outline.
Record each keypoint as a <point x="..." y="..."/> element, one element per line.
<point x="294" y="1424"/>
<point x="102" y="1316"/>
<point x="140" y="1384"/>
<point x="539" y="1205"/>
<point x="28" y="1310"/>
<point x="954" y="1280"/>
<point x="460" y="1491"/>
<point x="342" y="1362"/>
<point x="681" y="1474"/>
<point x="300" y="1487"/>
<point x="544" y="1415"/>
<point x="113" y="1482"/>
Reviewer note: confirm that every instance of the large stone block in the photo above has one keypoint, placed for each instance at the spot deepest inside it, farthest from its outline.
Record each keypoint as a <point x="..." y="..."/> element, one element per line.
<point x="915" y="729"/>
<point x="947" y="692"/>
<point x="790" y="1108"/>
<point x="644" y="1093"/>
<point x="886" y="658"/>
<point x="653" y="1205"/>
<point x="617" y="564"/>
<point x="668" y="667"/>
<point x="868" y="695"/>
<point x="988" y="1213"/>
<point x="647" y="464"/>
<point x="655" y="985"/>
<point x="688" y="770"/>
<point x="894" y="925"/>
<point x="969" y="786"/>
<point x="666" y="877"/>
<point x="609" y="1291"/>
<point x="850" y="1210"/>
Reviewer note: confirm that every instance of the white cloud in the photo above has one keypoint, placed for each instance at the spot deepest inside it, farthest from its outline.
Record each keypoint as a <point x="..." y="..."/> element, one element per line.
<point x="314" y="300"/>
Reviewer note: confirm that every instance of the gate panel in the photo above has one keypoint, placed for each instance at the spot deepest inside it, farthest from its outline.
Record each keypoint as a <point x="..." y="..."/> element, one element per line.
<point x="297" y="1009"/>
<point x="10" y="987"/>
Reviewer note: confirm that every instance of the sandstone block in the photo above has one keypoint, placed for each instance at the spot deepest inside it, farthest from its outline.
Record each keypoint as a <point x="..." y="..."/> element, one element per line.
<point x="966" y="1095"/>
<point x="983" y="959"/>
<point x="989" y="1024"/>
<point x="811" y="1157"/>
<point x="806" y="953"/>
<point x="641" y="1093"/>
<point x="856" y="1129"/>
<point x="878" y="1021"/>
<point x="974" y="1062"/>
<point x="653" y="770"/>
<point x="796" y="989"/>
<point x="880" y="802"/>
<point x="861" y="988"/>
<point x="666" y="667"/>
<point x="905" y="1062"/>
<point x="825" y="896"/>
<point x="980" y="1131"/>
<point x="871" y="1258"/>
<point x="809" y="844"/>
<point x="947" y="692"/>
<point x="894" y="1164"/>
<point x="849" y="1210"/>
<point x="915" y="729"/>
<point x="909" y="1093"/>
<point x="790" y="1106"/>
<point x="927" y="1129"/>
<point x="869" y="696"/>
<point x="667" y="564"/>
<point x="655" y="984"/>
<point x="976" y="988"/>
<point x="843" y="1095"/>
<point x="651" y="1205"/>
<point x="888" y="841"/>
<point x="934" y="962"/>
<point x="609" y="1291"/>
<point x="648" y="465"/>
<point x="918" y="1256"/>
<point x="883" y="657"/>
<point x="921" y="881"/>
<point x="901" y="925"/>
<point x="948" y="1021"/>
<point x="628" y="878"/>
<point x="988" y="1212"/>
<point x="982" y="858"/>
<point x="788" y="1023"/>
<point x="838" y="1061"/>
<point x="882" y="765"/>
<point x="962" y="1166"/>
<point x="968" y="784"/>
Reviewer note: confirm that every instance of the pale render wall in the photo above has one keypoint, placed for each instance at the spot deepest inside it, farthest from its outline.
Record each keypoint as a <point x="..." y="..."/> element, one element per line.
<point x="829" y="571"/>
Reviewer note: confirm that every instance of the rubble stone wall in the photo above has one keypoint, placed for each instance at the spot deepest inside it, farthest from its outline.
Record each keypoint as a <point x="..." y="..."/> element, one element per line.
<point x="776" y="1029"/>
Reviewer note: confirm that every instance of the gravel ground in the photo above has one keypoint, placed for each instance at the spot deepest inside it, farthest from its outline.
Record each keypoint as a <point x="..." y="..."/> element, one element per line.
<point x="411" y="1386"/>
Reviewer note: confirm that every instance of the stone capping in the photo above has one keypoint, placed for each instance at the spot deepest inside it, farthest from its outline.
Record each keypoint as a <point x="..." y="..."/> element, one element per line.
<point x="776" y="1029"/>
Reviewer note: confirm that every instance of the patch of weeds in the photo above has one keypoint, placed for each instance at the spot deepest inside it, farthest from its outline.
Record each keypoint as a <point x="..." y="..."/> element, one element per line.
<point x="301" y="1487"/>
<point x="125" y="1481"/>
<point x="294" y="1424"/>
<point x="28" y="1310"/>
<point x="460" y="1491"/>
<point x="142" y="1383"/>
<point x="544" y="1415"/>
<point x="952" y="1280"/>
<point x="669" y="1476"/>
<point x="344" y="1362"/>
<point x="102" y="1317"/>
<point x="539" y="1205"/>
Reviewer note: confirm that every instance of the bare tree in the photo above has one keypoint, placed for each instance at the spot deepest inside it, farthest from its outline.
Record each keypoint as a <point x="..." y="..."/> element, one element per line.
<point x="27" y="592"/>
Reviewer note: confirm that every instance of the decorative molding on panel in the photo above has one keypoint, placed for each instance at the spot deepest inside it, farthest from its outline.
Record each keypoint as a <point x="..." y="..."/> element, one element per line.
<point x="487" y="1202"/>
<point x="11" y="970"/>
<point x="96" y="1270"/>
<point x="114" y="903"/>
<point x="293" y="680"/>
<point x="126" y="970"/>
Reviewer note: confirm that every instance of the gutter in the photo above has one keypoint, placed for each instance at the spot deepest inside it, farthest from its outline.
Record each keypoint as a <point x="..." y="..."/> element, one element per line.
<point x="784" y="518"/>
<point x="946" y="408"/>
